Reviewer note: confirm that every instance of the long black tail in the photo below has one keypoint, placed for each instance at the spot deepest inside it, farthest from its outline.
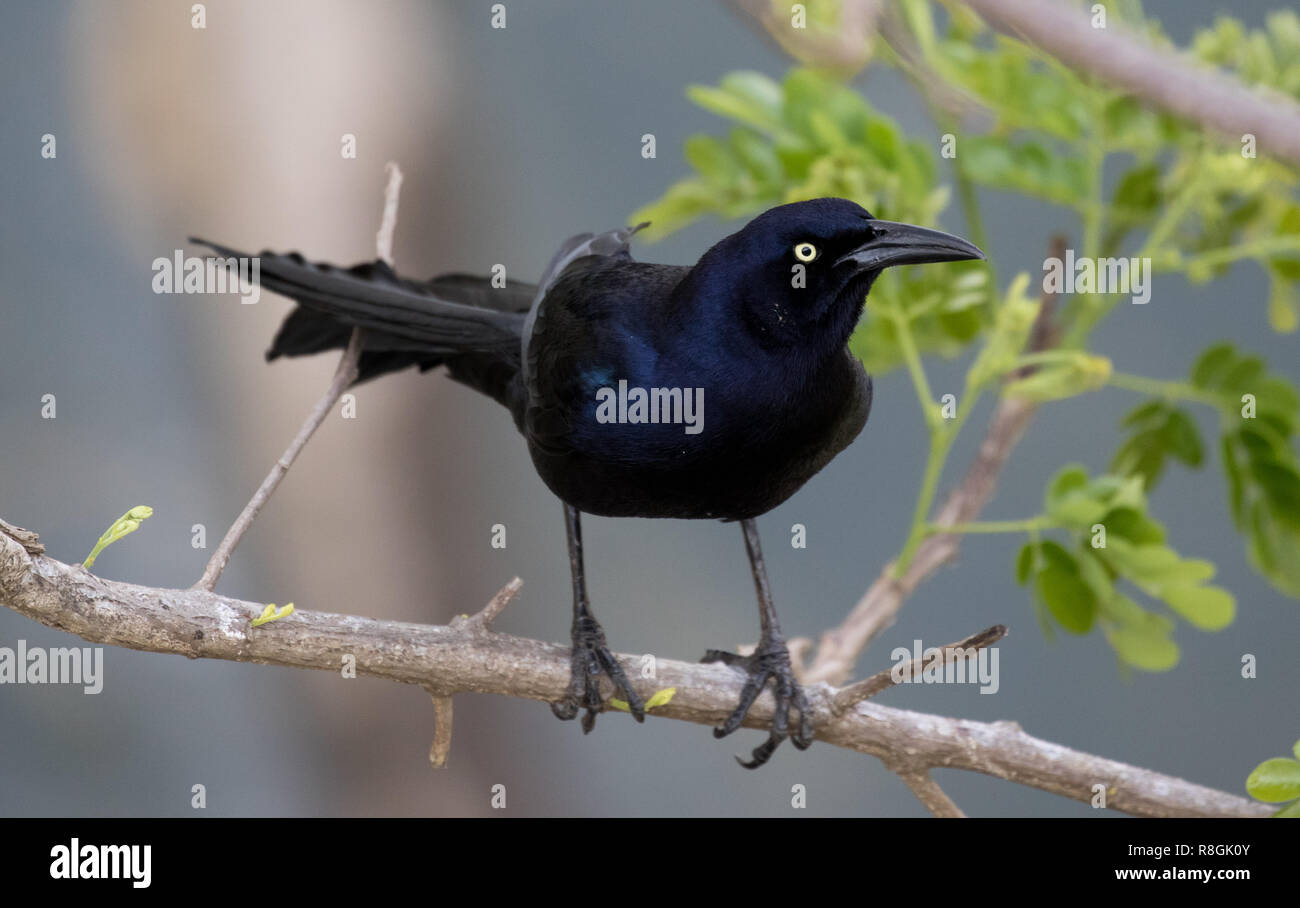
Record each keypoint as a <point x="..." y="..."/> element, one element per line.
<point x="456" y="319"/>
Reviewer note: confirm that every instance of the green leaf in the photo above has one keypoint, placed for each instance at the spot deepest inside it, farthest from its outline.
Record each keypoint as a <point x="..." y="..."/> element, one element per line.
<point x="1131" y="524"/>
<point x="1210" y="368"/>
<point x="1275" y="780"/>
<point x="1070" y="478"/>
<point x="1145" y="647"/>
<point x="758" y="156"/>
<point x="711" y="158"/>
<point x="1025" y="563"/>
<point x="1143" y="456"/>
<point x="1139" y="189"/>
<point x="1150" y="415"/>
<point x="1282" y="315"/>
<point x="1208" y="607"/>
<point x="1236" y="483"/>
<point x="271" y="613"/>
<point x="1093" y="571"/>
<point x="1286" y="268"/>
<point x="1070" y="501"/>
<point x="747" y="97"/>
<point x="1280" y="484"/>
<point x="658" y="698"/>
<point x="1064" y="591"/>
<point x="1243" y="375"/>
<point x="683" y="203"/>
<point x="1181" y="438"/>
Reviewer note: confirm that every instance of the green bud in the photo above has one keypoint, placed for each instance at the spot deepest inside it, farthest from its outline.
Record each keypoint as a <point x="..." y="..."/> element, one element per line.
<point x="127" y="523"/>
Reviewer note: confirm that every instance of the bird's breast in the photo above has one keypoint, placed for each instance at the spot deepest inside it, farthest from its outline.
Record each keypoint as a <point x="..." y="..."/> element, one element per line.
<point x="695" y="441"/>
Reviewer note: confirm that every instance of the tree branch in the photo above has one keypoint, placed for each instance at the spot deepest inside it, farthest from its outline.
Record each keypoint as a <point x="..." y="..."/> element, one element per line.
<point x="1215" y="99"/>
<point x="200" y="624"/>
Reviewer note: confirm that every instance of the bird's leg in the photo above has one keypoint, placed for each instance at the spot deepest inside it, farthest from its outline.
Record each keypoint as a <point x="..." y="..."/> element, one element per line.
<point x="591" y="655"/>
<point x="770" y="660"/>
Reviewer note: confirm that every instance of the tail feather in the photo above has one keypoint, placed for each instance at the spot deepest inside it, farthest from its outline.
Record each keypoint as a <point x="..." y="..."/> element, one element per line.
<point x="306" y="331"/>
<point x="458" y="319"/>
<point x="405" y="315"/>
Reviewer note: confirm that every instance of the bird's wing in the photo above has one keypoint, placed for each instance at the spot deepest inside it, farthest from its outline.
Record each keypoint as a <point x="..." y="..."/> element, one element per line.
<point x="610" y="244"/>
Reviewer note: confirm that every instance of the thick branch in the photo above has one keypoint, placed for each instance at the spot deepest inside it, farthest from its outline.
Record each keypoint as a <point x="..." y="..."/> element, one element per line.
<point x="1215" y="99"/>
<point x="199" y="624"/>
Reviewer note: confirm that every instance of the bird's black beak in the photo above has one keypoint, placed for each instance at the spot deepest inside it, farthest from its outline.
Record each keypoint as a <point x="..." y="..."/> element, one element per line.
<point x="907" y="244"/>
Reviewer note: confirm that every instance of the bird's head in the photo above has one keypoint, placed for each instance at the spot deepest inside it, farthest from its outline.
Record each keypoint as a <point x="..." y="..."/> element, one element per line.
<point x="801" y="271"/>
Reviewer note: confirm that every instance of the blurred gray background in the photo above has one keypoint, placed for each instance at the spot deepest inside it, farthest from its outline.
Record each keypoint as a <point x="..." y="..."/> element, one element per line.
<point x="511" y="141"/>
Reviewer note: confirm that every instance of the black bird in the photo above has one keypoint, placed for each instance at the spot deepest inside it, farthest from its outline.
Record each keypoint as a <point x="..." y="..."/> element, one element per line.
<point x="713" y="391"/>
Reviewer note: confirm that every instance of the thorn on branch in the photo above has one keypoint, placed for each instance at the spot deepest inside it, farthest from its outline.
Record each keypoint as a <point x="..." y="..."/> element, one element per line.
<point x="481" y="621"/>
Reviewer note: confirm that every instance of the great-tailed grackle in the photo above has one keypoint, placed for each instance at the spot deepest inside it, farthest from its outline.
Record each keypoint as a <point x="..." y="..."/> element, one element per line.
<point x="712" y="391"/>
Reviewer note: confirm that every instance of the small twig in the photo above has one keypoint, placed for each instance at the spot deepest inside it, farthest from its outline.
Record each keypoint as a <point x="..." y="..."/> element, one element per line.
<point x="344" y="375"/>
<point x="848" y="697"/>
<point x="442" y="729"/>
<point x="388" y="223"/>
<point x="929" y="793"/>
<point x="481" y="621"/>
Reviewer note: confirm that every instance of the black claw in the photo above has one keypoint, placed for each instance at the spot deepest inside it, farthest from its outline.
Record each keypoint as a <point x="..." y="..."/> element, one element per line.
<point x="770" y="660"/>
<point x="635" y="705"/>
<point x="726" y="658"/>
<point x="762" y="753"/>
<point x="590" y="659"/>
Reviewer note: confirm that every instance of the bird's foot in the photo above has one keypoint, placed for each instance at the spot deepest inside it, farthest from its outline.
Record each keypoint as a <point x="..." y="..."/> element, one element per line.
<point x="770" y="660"/>
<point x="591" y="657"/>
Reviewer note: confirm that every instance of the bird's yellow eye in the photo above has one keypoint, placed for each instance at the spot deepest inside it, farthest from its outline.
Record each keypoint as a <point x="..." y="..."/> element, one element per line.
<point x="805" y="252"/>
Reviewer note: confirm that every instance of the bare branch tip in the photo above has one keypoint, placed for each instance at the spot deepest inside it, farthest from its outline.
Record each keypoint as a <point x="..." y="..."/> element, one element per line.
<point x="442" y="715"/>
